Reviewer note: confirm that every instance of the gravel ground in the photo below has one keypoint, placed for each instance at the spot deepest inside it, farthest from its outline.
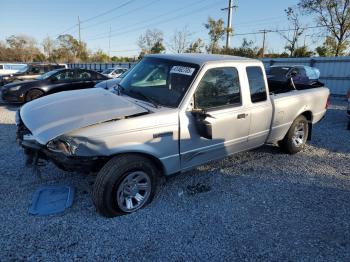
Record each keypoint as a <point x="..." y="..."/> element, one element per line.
<point x="258" y="205"/>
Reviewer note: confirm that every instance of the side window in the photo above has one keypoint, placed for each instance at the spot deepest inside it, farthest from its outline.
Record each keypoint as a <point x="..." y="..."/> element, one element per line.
<point x="65" y="75"/>
<point x="256" y="84"/>
<point x="1" y="67"/>
<point x="218" y="87"/>
<point x="84" y="75"/>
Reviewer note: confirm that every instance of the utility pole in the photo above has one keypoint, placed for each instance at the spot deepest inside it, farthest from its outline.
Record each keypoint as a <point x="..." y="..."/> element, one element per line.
<point x="79" y="30"/>
<point x="109" y="41"/>
<point x="264" y="32"/>
<point x="229" y="22"/>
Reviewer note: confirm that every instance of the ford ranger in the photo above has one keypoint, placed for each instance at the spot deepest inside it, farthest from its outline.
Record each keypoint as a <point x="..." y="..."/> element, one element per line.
<point x="169" y="114"/>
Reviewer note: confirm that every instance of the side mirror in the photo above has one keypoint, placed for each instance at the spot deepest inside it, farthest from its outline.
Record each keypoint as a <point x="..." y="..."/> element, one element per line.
<point x="203" y="127"/>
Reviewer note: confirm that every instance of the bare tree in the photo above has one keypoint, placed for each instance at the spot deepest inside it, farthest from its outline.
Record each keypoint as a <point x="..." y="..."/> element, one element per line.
<point x="334" y="16"/>
<point x="149" y="40"/>
<point x="48" y="45"/>
<point x="180" y="41"/>
<point x="296" y="27"/>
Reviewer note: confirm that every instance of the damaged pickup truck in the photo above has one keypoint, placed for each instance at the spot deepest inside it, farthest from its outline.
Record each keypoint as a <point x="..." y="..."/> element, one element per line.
<point x="170" y="114"/>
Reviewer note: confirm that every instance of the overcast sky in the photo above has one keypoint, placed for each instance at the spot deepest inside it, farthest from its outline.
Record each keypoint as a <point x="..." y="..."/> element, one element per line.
<point x="130" y="18"/>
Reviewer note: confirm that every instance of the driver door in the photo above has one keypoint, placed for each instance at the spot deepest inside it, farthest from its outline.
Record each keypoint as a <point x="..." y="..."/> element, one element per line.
<point x="226" y="117"/>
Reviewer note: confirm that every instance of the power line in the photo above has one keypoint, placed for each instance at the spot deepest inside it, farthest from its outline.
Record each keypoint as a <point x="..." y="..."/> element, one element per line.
<point x="118" y="16"/>
<point x="94" y="17"/>
<point x="160" y="22"/>
<point x="108" y="11"/>
<point x="99" y="36"/>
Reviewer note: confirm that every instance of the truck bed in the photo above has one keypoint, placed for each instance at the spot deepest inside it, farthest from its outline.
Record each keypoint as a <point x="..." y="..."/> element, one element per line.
<point x="288" y="105"/>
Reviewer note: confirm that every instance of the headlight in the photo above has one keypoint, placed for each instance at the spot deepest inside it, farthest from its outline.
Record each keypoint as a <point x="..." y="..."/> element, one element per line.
<point x="62" y="145"/>
<point x="15" y="88"/>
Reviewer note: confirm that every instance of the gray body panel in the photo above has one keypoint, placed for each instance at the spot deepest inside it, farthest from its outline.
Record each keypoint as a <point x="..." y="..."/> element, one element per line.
<point x="170" y="134"/>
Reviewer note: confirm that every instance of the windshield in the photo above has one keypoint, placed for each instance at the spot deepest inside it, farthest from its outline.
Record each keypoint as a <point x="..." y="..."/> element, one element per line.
<point x="107" y="71"/>
<point x="278" y="71"/>
<point x="46" y="75"/>
<point x="163" y="81"/>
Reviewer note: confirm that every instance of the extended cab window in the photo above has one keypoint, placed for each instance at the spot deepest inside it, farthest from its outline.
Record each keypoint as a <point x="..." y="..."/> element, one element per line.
<point x="219" y="87"/>
<point x="256" y="84"/>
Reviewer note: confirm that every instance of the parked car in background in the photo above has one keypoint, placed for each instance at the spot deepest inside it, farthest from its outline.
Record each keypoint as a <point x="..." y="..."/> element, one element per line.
<point x="30" y="72"/>
<point x="114" y="72"/>
<point x="171" y="114"/>
<point x="304" y="77"/>
<point x="50" y="82"/>
<point x="111" y="84"/>
<point x="7" y="68"/>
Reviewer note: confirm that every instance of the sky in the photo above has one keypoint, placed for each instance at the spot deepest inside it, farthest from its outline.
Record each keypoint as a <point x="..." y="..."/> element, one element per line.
<point x="128" y="19"/>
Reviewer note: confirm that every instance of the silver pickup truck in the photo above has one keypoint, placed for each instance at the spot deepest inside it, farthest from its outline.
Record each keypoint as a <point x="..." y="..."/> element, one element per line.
<point x="169" y="114"/>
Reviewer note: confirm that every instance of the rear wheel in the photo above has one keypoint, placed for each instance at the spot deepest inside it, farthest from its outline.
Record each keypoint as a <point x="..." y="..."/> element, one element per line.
<point x="295" y="139"/>
<point x="124" y="185"/>
<point x="33" y="94"/>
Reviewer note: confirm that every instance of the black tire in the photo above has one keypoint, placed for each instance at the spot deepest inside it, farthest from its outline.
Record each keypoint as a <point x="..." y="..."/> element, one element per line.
<point x="33" y="94"/>
<point x="111" y="179"/>
<point x="290" y="143"/>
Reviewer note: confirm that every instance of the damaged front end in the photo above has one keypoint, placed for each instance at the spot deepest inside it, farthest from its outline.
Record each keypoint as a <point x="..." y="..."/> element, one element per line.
<point x="57" y="151"/>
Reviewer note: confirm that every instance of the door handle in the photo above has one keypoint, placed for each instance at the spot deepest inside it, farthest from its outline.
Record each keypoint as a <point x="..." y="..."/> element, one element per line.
<point x="242" y="116"/>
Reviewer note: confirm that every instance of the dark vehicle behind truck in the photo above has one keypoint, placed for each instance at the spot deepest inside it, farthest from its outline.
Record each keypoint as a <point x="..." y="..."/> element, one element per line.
<point x="30" y="72"/>
<point x="304" y="77"/>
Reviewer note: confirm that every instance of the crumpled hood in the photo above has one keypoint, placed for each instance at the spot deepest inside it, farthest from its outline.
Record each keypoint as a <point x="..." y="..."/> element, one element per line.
<point x="54" y="115"/>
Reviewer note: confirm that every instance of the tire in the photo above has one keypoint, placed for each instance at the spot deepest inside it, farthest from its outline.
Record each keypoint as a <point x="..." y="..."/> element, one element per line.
<point x="33" y="94"/>
<point x="115" y="191"/>
<point x="295" y="139"/>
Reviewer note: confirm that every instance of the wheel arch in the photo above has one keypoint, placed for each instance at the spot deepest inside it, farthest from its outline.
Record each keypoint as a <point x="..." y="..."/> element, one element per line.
<point x="31" y="89"/>
<point x="156" y="161"/>
<point x="309" y="117"/>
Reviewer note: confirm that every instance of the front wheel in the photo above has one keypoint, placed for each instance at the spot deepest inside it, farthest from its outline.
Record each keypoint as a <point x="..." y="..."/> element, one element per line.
<point x="295" y="139"/>
<point x="124" y="185"/>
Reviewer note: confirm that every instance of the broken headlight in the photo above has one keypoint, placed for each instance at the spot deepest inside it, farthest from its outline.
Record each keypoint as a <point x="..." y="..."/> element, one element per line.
<point x="62" y="145"/>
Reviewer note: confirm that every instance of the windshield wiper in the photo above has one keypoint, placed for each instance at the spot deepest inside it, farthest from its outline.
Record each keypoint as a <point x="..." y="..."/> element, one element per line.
<point x="147" y="98"/>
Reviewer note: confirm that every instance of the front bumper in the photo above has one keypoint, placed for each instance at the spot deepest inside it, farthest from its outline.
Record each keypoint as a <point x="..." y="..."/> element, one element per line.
<point x="12" y="96"/>
<point x="34" y="150"/>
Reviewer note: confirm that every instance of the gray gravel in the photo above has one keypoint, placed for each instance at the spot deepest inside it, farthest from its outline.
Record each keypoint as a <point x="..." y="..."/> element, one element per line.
<point x="258" y="205"/>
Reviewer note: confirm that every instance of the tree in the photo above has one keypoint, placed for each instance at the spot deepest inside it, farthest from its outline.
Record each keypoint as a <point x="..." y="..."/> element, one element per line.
<point x="22" y="48"/>
<point x="216" y="32"/>
<point x="157" y="48"/>
<point x="292" y="37"/>
<point x="334" y="16"/>
<point x="99" y="56"/>
<point x="196" y="47"/>
<point x="247" y="49"/>
<point x="69" y="49"/>
<point x="48" y="45"/>
<point x="303" y="51"/>
<point x="329" y="47"/>
<point x="151" y="41"/>
<point x="180" y="41"/>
